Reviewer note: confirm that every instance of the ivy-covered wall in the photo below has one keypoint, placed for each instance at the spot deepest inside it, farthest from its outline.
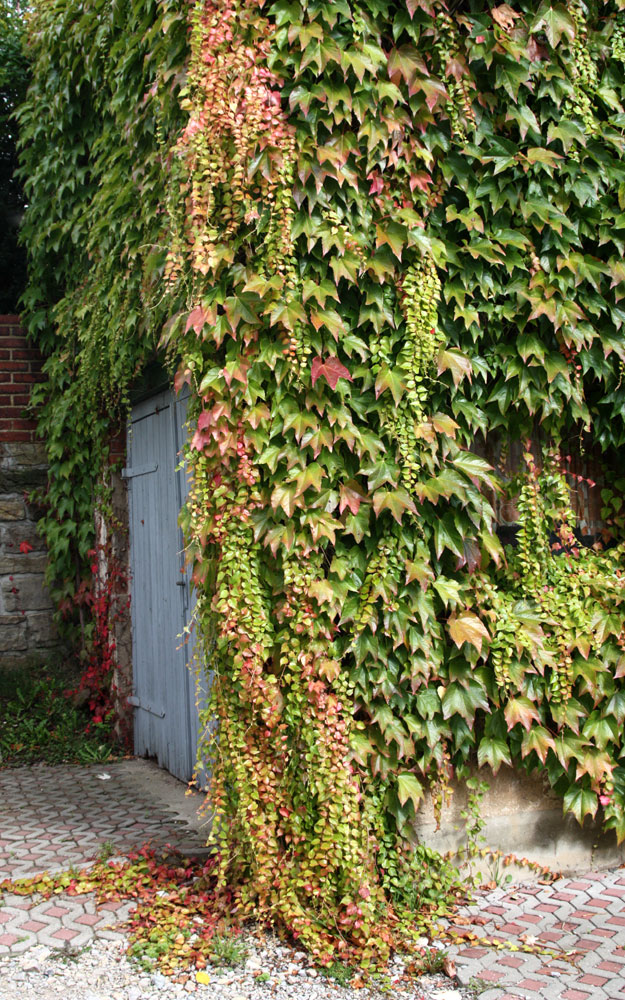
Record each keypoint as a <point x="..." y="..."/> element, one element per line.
<point x="378" y="240"/>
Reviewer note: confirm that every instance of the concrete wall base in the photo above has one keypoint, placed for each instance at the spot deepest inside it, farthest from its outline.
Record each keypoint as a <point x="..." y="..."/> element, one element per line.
<point x="522" y="816"/>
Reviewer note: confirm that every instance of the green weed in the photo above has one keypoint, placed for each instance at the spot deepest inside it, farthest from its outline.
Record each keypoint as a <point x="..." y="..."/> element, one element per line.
<point x="432" y="962"/>
<point x="106" y="851"/>
<point x="340" y="973"/>
<point x="40" y="723"/>
<point x="478" y="985"/>
<point x="227" y="950"/>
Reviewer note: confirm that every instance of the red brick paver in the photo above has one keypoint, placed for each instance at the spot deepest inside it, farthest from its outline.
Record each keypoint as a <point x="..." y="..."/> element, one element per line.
<point x="575" y="919"/>
<point x="55" y="818"/>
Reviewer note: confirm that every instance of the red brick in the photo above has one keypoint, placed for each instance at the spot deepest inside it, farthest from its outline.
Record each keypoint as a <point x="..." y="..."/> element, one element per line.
<point x="552" y="936"/>
<point x="16" y="435"/>
<point x="512" y="962"/>
<point x="15" y="422"/>
<point x="619" y="921"/>
<point x="33" y="925"/>
<point x="64" y="934"/>
<point x="55" y="911"/>
<point x="25" y="377"/>
<point x="550" y="970"/>
<point x="546" y="908"/>
<point x="16" y="366"/>
<point x="575" y="995"/>
<point x="602" y="932"/>
<point x="11" y="341"/>
<point x="599" y="902"/>
<point x="591" y="980"/>
<point x="10" y="413"/>
<point x="26" y="353"/>
<point x="585" y="944"/>
<point x="530" y="984"/>
<point x="491" y="975"/>
<point x="610" y="966"/>
<point x="8" y="939"/>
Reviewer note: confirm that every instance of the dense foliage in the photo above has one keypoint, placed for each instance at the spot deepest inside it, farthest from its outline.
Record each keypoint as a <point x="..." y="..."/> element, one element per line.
<point x="371" y="238"/>
<point x="13" y="82"/>
<point x="95" y="129"/>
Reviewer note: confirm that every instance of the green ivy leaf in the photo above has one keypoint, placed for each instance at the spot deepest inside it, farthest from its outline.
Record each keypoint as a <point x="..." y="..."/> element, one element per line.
<point x="409" y="789"/>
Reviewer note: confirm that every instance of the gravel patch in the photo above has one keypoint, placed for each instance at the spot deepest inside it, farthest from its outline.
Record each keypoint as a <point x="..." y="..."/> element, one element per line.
<point x="271" y="971"/>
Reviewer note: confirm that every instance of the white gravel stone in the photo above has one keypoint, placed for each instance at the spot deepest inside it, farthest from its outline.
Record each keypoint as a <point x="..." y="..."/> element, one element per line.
<point x="104" y="972"/>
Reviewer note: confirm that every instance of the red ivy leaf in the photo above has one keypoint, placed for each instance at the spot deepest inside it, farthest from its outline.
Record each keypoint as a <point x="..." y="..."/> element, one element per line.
<point x="352" y="496"/>
<point x="25" y="547"/>
<point x="198" y="318"/>
<point x="331" y="369"/>
<point x="414" y="5"/>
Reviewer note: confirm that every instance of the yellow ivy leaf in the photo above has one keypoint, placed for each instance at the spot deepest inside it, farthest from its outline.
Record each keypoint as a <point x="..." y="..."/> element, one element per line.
<point x="467" y="627"/>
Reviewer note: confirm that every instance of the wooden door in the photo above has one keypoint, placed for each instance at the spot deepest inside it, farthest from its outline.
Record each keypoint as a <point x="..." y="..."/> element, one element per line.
<point x="164" y="695"/>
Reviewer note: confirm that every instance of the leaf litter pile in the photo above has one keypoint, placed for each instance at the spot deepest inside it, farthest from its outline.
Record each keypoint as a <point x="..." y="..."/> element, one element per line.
<point x="182" y="923"/>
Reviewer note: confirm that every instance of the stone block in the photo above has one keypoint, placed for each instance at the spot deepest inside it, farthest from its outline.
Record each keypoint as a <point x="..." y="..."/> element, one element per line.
<point x="25" y="592"/>
<point x="22" y="480"/>
<point x="13" y="533"/>
<point x="41" y="630"/>
<point x="12" y="508"/>
<point x="34" y="511"/>
<point x="22" y="562"/>
<point x="22" y="454"/>
<point x="13" y="633"/>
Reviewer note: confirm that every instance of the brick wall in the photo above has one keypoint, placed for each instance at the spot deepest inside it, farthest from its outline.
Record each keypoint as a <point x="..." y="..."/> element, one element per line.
<point x="27" y="633"/>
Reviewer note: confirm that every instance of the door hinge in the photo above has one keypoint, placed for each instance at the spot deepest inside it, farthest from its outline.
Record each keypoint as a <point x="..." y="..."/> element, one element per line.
<point x="152" y="709"/>
<point x="138" y="470"/>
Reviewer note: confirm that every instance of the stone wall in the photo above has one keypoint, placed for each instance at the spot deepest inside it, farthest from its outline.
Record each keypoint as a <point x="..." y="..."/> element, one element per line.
<point x="27" y="633"/>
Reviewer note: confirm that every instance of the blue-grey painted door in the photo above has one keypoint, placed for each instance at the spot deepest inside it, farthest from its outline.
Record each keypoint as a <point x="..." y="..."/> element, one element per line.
<point x="166" y="716"/>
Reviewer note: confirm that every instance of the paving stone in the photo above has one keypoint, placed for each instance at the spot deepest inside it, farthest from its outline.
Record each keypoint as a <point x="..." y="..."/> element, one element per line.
<point x="56" y="817"/>
<point x="573" y="915"/>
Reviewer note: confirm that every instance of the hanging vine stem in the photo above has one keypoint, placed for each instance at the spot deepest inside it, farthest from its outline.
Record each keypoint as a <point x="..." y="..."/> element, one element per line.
<point x="447" y="48"/>
<point x="585" y="76"/>
<point x="420" y="291"/>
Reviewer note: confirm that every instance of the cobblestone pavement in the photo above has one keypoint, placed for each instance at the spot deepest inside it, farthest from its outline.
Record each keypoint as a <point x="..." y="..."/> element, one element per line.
<point x="54" y="818"/>
<point x="582" y="918"/>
